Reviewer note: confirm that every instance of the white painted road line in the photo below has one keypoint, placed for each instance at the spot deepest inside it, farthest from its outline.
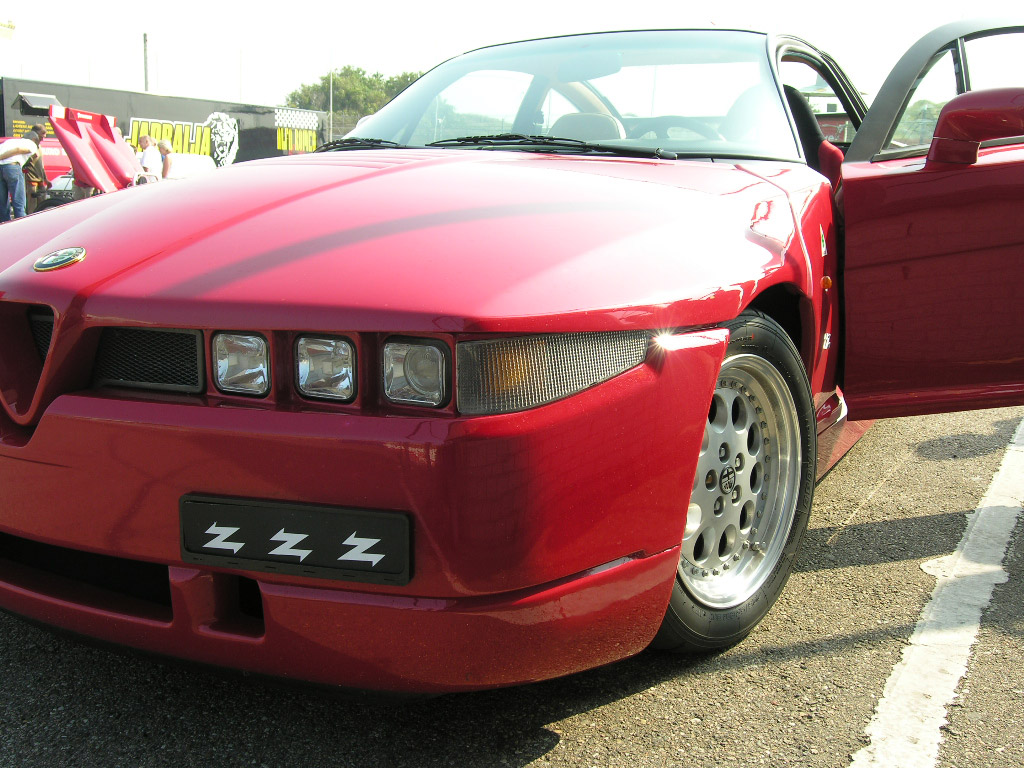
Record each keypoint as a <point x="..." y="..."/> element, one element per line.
<point x="905" y="729"/>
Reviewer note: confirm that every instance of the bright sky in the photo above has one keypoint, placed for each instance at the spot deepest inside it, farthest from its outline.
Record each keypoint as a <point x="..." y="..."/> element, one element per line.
<point x="258" y="53"/>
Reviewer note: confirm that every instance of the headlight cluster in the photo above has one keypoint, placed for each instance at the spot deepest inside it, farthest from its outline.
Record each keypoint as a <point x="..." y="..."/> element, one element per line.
<point x="325" y="366"/>
<point x="415" y="371"/>
<point x="494" y="375"/>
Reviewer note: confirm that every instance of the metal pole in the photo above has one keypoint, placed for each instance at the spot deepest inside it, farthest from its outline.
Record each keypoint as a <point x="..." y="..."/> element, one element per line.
<point x="145" y="60"/>
<point x="330" y="118"/>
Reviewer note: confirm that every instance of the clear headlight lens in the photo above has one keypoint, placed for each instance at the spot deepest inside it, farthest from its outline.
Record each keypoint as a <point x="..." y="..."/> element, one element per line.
<point x="241" y="363"/>
<point x="326" y="368"/>
<point x="415" y="372"/>
<point x="513" y="374"/>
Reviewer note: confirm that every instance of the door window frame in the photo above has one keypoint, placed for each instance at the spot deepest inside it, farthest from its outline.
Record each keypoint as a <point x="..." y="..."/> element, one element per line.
<point x="898" y="89"/>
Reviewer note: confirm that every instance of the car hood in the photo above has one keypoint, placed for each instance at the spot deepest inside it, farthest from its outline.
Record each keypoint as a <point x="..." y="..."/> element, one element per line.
<point x="95" y="148"/>
<point x="406" y="240"/>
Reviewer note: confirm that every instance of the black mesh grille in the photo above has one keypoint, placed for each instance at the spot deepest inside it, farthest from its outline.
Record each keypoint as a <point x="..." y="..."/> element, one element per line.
<point x="139" y="357"/>
<point x="40" y="320"/>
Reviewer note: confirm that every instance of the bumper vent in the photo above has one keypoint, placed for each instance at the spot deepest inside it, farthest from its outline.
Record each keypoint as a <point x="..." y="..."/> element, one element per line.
<point x="128" y="587"/>
<point x="40" y="320"/>
<point x="169" y="360"/>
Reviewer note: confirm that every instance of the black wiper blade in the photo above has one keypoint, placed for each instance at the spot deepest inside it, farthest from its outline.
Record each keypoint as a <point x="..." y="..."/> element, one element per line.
<point x="552" y="143"/>
<point x="357" y="142"/>
<point x="494" y="138"/>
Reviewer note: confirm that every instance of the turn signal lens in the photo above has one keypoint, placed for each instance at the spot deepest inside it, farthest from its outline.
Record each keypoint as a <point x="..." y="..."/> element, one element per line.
<point x="517" y="373"/>
<point x="326" y="368"/>
<point x="416" y="372"/>
<point x="242" y="364"/>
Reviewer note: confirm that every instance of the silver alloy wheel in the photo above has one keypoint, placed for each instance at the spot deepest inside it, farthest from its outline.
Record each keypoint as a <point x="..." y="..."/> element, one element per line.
<point x="745" y="492"/>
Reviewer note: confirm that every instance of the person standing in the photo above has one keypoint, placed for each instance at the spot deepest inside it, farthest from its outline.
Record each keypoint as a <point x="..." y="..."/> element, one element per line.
<point x="167" y="152"/>
<point x="13" y="154"/>
<point x="151" y="160"/>
<point x="36" y="182"/>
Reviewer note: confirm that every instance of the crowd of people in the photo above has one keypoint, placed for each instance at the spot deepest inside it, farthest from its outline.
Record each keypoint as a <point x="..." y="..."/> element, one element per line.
<point x="23" y="182"/>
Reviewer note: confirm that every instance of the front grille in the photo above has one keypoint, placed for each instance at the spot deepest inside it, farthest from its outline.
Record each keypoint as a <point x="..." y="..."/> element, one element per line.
<point x="170" y="360"/>
<point x="40" y="320"/>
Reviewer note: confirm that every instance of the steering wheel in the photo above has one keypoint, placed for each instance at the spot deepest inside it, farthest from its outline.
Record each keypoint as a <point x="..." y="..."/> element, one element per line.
<point x="661" y="126"/>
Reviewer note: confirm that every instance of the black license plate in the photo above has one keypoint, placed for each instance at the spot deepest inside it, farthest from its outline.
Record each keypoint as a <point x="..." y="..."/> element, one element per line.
<point x="301" y="539"/>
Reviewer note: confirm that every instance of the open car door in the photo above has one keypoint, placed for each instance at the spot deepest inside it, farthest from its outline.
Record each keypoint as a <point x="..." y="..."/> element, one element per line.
<point x="933" y="185"/>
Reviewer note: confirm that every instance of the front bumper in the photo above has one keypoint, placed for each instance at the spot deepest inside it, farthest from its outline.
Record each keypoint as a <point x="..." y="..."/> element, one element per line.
<point x="543" y="542"/>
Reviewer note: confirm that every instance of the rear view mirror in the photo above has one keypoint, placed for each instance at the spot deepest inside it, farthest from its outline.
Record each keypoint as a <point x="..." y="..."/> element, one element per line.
<point x="971" y="118"/>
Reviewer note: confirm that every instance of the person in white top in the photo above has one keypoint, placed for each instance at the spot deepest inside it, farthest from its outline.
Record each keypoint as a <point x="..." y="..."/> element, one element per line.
<point x="151" y="159"/>
<point x="167" y="153"/>
<point x="13" y="154"/>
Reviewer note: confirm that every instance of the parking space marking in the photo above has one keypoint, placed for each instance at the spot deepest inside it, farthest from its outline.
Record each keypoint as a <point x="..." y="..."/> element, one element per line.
<point x="905" y="728"/>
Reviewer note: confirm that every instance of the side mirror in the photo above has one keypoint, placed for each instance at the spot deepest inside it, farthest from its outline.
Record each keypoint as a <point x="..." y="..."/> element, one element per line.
<point x="971" y="118"/>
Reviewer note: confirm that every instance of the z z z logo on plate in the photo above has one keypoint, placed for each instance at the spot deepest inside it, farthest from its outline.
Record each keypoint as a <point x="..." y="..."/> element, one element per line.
<point x="331" y="542"/>
<point x="357" y="547"/>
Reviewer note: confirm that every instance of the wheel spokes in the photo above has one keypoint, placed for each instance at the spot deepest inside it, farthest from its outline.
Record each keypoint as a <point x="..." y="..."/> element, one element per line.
<point x="738" y="510"/>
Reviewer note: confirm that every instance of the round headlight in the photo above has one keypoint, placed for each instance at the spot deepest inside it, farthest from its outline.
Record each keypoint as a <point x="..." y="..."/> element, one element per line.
<point x="417" y="372"/>
<point x="424" y="367"/>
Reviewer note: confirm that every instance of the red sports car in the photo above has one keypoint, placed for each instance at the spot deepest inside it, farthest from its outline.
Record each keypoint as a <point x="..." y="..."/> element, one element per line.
<point x="534" y="369"/>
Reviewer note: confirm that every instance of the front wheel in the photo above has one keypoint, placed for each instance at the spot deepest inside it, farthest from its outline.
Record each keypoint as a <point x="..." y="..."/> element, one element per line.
<point x="752" y="492"/>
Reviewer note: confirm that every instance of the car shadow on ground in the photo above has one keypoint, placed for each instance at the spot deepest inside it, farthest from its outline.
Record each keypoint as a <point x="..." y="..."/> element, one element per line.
<point x="969" y="445"/>
<point x="882" y="541"/>
<point x="87" y="706"/>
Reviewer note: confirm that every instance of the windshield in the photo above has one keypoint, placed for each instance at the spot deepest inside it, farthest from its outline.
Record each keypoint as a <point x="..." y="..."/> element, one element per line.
<point x="693" y="92"/>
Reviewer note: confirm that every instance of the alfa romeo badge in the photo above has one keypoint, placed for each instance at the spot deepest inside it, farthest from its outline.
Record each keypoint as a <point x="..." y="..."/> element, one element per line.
<point x="65" y="257"/>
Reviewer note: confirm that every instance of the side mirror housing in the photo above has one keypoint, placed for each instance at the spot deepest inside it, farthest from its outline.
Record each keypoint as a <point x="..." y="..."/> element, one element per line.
<point x="971" y="118"/>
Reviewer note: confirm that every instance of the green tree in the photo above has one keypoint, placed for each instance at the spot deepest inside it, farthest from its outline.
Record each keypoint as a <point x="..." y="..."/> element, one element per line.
<point x="356" y="93"/>
<point x="917" y="124"/>
<point x="396" y="84"/>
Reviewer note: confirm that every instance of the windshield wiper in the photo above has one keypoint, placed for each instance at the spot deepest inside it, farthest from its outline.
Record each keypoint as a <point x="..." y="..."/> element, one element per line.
<point x="357" y="142"/>
<point x="493" y="138"/>
<point x="551" y="144"/>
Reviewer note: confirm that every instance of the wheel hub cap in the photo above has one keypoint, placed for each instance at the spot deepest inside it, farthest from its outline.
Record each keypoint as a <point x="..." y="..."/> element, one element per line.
<point x="728" y="481"/>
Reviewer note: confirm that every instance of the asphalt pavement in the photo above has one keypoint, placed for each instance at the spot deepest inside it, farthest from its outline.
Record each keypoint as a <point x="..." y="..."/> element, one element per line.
<point x="800" y="691"/>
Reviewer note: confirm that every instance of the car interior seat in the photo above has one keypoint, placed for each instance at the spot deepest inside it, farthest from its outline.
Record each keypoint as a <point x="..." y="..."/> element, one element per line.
<point x="745" y="118"/>
<point x="587" y="126"/>
<point x="821" y="155"/>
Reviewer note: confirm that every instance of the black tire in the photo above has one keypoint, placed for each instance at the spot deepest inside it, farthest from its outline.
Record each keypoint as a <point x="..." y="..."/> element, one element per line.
<point x="50" y="202"/>
<point x="752" y="495"/>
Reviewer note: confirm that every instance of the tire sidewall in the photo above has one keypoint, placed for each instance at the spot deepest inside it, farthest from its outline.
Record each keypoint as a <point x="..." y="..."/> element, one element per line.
<point x="50" y="202"/>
